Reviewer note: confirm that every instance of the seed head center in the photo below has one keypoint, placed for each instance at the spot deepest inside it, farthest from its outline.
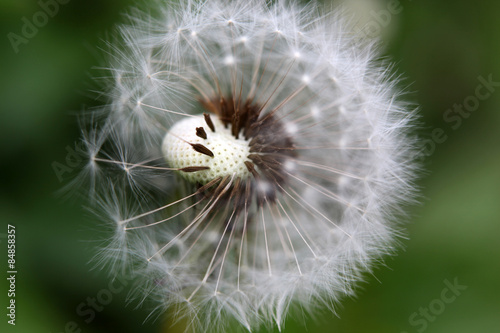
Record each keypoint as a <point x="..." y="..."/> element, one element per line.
<point x="203" y="154"/>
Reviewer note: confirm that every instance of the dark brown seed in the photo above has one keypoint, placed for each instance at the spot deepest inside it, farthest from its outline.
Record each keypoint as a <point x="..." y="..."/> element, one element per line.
<point x="236" y="193"/>
<point x="209" y="122"/>
<point x="202" y="149"/>
<point x="221" y="188"/>
<point x="205" y="187"/>
<point x="251" y="167"/>
<point x="200" y="131"/>
<point x="194" y="168"/>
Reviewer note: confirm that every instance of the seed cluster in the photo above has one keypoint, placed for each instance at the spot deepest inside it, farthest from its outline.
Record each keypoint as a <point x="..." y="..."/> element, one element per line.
<point x="240" y="147"/>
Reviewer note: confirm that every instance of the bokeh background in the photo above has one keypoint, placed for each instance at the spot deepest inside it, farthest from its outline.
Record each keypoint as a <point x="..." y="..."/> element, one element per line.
<point x="441" y="48"/>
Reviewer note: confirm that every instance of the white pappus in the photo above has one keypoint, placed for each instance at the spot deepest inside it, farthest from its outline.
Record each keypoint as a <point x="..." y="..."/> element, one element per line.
<point x="252" y="157"/>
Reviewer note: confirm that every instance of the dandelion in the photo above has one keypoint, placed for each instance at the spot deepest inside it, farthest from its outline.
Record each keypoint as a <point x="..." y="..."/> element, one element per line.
<point x="253" y="158"/>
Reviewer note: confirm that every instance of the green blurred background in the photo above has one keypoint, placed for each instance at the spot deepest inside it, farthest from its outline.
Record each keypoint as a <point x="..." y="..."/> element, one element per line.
<point x="440" y="47"/>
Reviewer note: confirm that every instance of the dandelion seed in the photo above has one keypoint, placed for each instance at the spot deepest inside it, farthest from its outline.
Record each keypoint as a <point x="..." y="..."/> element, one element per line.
<point x="261" y="157"/>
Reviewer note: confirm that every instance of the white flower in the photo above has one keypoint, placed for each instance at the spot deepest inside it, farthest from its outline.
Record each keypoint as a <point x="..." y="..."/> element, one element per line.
<point x="253" y="157"/>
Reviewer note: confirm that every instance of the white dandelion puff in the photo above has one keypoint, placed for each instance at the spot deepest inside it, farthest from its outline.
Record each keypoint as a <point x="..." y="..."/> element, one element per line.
<point x="253" y="157"/>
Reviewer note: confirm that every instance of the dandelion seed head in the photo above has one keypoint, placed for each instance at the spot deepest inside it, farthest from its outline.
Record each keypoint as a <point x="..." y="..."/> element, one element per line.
<point x="253" y="156"/>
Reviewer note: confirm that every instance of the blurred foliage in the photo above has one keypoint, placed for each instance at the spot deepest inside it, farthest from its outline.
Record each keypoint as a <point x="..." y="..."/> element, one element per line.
<point x="440" y="48"/>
